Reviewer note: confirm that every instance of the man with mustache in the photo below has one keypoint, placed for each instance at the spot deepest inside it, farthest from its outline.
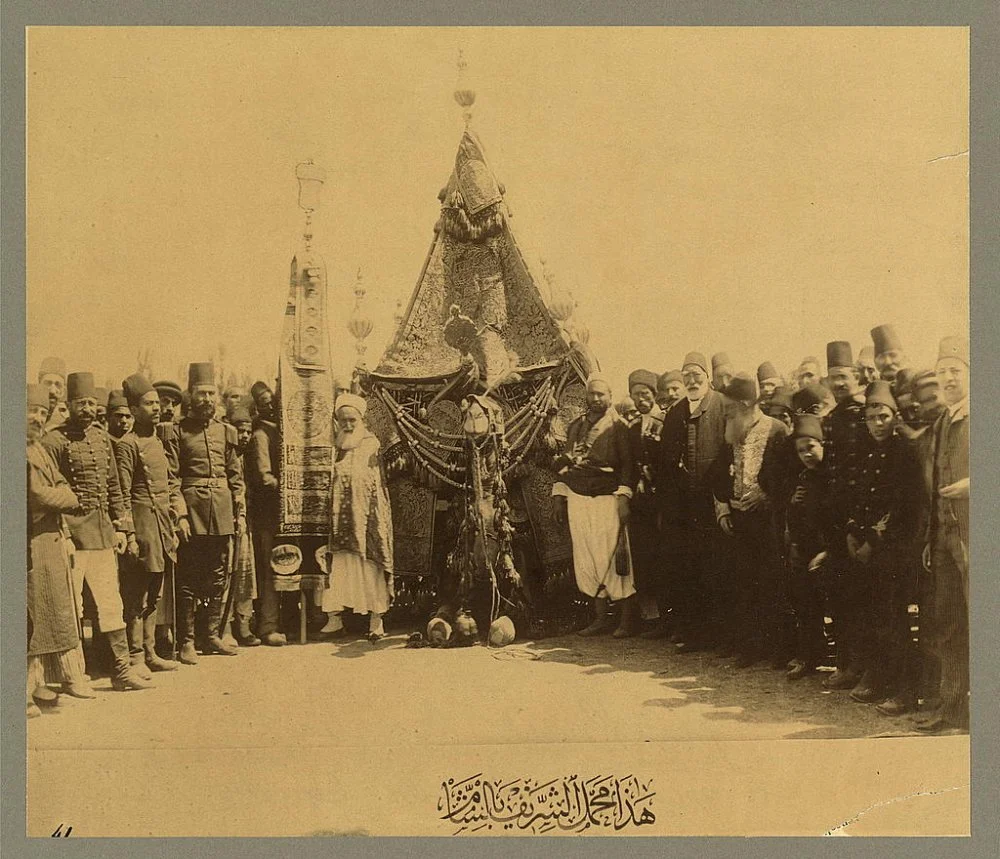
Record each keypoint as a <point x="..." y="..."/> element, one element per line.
<point x="360" y="545"/>
<point x="55" y="653"/>
<point x="808" y="372"/>
<point x="148" y="471"/>
<point x="889" y="355"/>
<point x="946" y="551"/>
<point x="691" y="441"/>
<point x="669" y="390"/>
<point x="103" y="528"/>
<point x="592" y="491"/>
<point x="170" y="400"/>
<point x="769" y="380"/>
<point x="213" y="491"/>
<point x="120" y="417"/>
<point x="52" y="377"/>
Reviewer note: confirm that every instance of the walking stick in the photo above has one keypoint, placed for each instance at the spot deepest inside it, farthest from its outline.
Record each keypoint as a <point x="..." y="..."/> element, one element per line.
<point x="231" y="592"/>
<point x="173" y="611"/>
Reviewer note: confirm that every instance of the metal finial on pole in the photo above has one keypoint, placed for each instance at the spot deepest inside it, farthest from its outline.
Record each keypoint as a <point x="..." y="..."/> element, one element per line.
<point x="465" y="96"/>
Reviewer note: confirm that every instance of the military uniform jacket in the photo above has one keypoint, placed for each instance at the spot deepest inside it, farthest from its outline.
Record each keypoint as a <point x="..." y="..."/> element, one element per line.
<point x="87" y="461"/>
<point x="211" y="476"/>
<point x="887" y="508"/>
<point x="845" y="451"/>
<point x="148" y="471"/>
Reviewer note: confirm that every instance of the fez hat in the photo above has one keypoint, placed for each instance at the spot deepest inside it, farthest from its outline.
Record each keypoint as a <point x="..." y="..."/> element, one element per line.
<point x="353" y="401"/>
<point x="52" y="367"/>
<point x="239" y="414"/>
<point x="954" y="347"/>
<point x="767" y="371"/>
<point x="116" y="400"/>
<point x="838" y="354"/>
<point x="101" y="395"/>
<point x="80" y="385"/>
<point x="502" y="631"/>
<point x="38" y="395"/>
<point x="885" y="339"/>
<point x="879" y="393"/>
<point x="866" y="357"/>
<point x="808" y="426"/>
<point x="135" y="387"/>
<point x="742" y="387"/>
<point x="201" y="373"/>
<point x="782" y="399"/>
<point x="720" y="359"/>
<point x="666" y="379"/>
<point x="697" y="359"/>
<point x="167" y="387"/>
<point x="258" y="388"/>
<point x="809" y="396"/>
<point x="642" y="377"/>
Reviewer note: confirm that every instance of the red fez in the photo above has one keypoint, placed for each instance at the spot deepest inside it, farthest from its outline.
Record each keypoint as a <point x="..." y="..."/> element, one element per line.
<point x="767" y="371"/>
<point x="80" y="386"/>
<point x="697" y="359"/>
<point x="720" y="359"/>
<point x="885" y="339"/>
<point x="879" y="393"/>
<point x="38" y="395"/>
<point x="954" y="347"/>
<point x="808" y="426"/>
<point x="201" y="373"/>
<point x="838" y="354"/>
<point x="135" y="387"/>
<point x="809" y="396"/>
<point x="642" y="377"/>
<point x="666" y="379"/>
<point x="52" y="367"/>
<point x="166" y="387"/>
<point x="742" y="387"/>
<point x="116" y="400"/>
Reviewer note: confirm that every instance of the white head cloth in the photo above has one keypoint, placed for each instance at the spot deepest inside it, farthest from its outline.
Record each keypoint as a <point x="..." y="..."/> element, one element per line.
<point x="353" y="401"/>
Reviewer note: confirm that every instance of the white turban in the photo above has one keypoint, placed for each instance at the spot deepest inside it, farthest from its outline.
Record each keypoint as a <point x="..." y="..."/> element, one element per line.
<point x="351" y="401"/>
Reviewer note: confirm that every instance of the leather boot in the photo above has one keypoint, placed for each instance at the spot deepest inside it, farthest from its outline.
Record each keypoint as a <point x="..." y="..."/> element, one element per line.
<point x="601" y="621"/>
<point x="201" y="626"/>
<point x="124" y="678"/>
<point x="214" y="644"/>
<point x="136" y="656"/>
<point x="185" y="630"/>
<point x="153" y="660"/>
<point x="867" y="691"/>
<point x="626" y="623"/>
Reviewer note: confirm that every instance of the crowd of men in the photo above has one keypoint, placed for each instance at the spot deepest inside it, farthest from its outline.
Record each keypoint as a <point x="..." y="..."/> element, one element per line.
<point x="727" y="511"/>
<point x="740" y="513"/>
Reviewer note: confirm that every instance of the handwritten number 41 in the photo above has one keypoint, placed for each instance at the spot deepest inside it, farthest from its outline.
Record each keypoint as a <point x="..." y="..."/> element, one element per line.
<point x="59" y="833"/>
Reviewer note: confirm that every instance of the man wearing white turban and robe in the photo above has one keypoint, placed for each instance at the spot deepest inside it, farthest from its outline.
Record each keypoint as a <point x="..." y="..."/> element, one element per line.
<point x="359" y="552"/>
<point x="592" y="493"/>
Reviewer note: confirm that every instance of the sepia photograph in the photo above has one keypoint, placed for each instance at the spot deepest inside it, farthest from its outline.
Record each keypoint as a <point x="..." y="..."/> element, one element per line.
<point x="523" y="431"/>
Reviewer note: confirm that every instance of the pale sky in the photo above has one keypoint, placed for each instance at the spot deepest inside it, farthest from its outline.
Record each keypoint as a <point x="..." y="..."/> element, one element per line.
<point x="758" y="191"/>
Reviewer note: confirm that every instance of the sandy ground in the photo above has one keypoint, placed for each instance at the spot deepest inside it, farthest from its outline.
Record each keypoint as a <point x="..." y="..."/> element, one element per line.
<point x="277" y="729"/>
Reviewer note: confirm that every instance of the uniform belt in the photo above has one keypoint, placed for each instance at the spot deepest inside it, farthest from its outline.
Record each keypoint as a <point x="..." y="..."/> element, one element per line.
<point x="188" y="482"/>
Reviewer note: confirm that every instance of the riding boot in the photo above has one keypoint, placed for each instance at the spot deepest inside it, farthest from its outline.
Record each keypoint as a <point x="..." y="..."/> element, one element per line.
<point x="626" y="623"/>
<point x="185" y="630"/>
<point x="124" y="678"/>
<point x="136" y="656"/>
<point x="214" y="644"/>
<point x="601" y="621"/>
<point x="153" y="660"/>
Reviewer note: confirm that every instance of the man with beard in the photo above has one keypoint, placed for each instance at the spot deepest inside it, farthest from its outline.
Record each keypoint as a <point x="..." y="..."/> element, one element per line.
<point x="845" y="452"/>
<point x="148" y="472"/>
<point x="54" y="650"/>
<point x="102" y="408"/>
<point x="889" y="355"/>
<point x="212" y="486"/>
<point x="120" y="417"/>
<point x="722" y="371"/>
<point x="946" y="552"/>
<point x="592" y="491"/>
<point x="102" y="529"/>
<point x="244" y="574"/>
<point x="669" y="390"/>
<point x="170" y="400"/>
<point x="644" y="435"/>
<point x="360" y="546"/>
<point x="262" y="462"/>
<point x="808" y="372"/>
<point x="691" y="441"/>
<point x="52" y="377"/>
<point x="743" y="511"/>
<point x="234" y="396"/>
<point x="881" y="532"/>
<point x="769" y="380"/>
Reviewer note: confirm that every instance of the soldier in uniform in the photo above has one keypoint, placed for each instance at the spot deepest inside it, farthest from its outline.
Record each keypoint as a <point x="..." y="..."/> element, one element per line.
<point x="170" y="413"/>
<point x="946" y="551"/>
<point x="120" y="419"/>
<point x="212" y="486"/>
<point x="845" y="450"/>
<point x="644" y="436"/>
<point x="889" y="355"/>
<point x="881" y="534"/>
<point x="103" y="528"/>
<point x="148" y="471"/>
